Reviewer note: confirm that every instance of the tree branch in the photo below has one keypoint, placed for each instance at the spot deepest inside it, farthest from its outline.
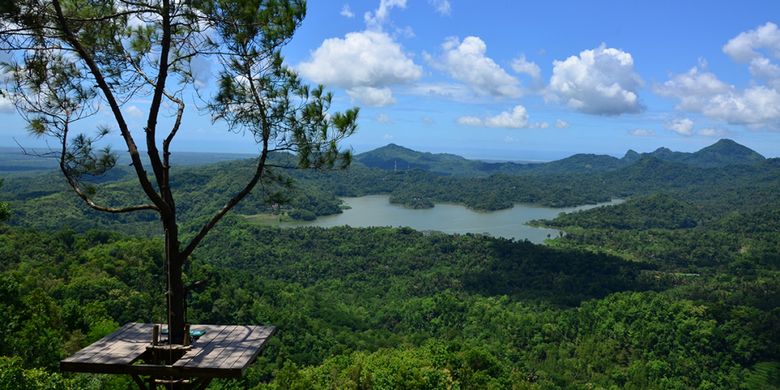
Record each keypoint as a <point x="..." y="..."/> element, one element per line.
<point x="146" y="185"/>
<point x="75" y="186"/>
<point x="229" y="205"/>
<point x="154" y="110"/>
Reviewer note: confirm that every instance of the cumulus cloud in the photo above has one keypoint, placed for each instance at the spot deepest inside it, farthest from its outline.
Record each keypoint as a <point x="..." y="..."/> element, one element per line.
<point x="757" y="105"/>
<point x="517" y="118"/>
<point x="642" y="133"/>
<point x="703" y="92"/>
<point x="383" y="118"/>
<point x="748" y="45"/>
<point x="364" y="63"/>
<point x="466" y="62"/>
<point x="521" y="65"/>
<point x="346" y="11"/>
<point x="694" y="88"/>
<point x="683" y="126"/>
<point x="442" y="7"/>
<point x="370" y="96"/>
<point x="765" y="70"/>
<point x="561" y="124"/>
<point x="601" y="81"/>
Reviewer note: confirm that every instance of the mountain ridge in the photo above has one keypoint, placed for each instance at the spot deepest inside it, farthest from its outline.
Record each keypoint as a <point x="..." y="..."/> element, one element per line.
<point x="724" y="152"/>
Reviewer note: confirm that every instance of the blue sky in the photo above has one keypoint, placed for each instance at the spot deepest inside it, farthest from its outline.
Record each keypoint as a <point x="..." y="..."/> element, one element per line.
<point x="533" y="80"/>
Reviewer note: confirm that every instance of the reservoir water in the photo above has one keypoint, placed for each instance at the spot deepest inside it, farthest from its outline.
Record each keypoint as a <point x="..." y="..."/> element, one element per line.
<point x="376" y="210"/>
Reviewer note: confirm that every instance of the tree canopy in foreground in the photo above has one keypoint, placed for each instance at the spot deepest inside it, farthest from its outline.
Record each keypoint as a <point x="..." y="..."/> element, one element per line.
<point x="70" y="59"/>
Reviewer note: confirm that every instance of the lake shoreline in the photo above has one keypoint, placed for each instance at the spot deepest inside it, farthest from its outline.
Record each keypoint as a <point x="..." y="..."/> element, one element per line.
<point x="449" y="218"/>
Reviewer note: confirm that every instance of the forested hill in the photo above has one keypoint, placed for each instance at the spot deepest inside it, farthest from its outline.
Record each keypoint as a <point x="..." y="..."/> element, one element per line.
<point x="678" y="287"/>
<point x="393" y="157"/>
<point x="721" y="175"/>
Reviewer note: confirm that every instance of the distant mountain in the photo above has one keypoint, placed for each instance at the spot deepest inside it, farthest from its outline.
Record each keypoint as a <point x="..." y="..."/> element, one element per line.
<point x="394" y="157"/>
<point x="579" y="163"/>
<point x="667" y="154"/>
<point x="724" y="152"/>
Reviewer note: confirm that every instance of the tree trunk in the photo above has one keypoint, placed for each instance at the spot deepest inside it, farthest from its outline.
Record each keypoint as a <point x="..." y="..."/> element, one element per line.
<point x="176" y="292"/>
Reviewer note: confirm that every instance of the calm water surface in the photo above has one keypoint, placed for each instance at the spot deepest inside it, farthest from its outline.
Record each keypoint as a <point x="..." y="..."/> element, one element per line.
<point x="376" y="210"/>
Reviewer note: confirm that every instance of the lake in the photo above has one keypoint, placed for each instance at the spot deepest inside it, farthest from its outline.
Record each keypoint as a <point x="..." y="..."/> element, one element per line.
<point x="376" y="210"/>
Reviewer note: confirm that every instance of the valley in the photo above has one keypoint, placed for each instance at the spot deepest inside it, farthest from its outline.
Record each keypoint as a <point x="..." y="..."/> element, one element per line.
<point x="678" y="285"/>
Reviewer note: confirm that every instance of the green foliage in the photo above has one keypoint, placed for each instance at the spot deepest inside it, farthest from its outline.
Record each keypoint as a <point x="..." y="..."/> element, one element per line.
<point x="678" y="289"/>
<point x="659" y="211"/>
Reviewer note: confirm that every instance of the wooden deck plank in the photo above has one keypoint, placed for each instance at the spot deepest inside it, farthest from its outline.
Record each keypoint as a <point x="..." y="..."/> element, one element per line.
<point x="203" y="344"/>
<point x="117" y="346"/>
<point x="234" y="349"/>
<point x="127" y="348"/>
<point x="223" y="351"/>
<point x="98" y="346"/>
<point x="258" y="337"/>
<point x="217" y="347"/>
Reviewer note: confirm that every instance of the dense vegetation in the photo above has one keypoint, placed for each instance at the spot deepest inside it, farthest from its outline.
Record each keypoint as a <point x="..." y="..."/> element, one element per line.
<point x="678" y="287"/>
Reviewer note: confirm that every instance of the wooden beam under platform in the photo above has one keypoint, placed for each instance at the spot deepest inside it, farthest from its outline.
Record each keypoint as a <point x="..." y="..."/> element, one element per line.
<point x="223" y="351"/>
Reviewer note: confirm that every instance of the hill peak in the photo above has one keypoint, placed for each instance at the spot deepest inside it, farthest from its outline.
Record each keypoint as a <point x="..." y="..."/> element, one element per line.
<point x="726" y="152"/>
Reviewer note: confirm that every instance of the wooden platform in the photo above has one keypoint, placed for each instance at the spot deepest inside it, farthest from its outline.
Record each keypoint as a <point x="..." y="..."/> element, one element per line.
<point x="224" y="351"/>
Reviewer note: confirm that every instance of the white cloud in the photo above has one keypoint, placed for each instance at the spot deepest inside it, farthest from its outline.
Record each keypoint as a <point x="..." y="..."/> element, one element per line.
<point x="515" y="119"/>
<point x="370" y="96"/>
<point x="757" y="105"/>
<point x="703" y="92"/>
<point x="765" y="70"/>
<point x="134" y="111"/>
<point x="470" y="121"/>
<point x="747" y="45"/>
<point x="683" y="126"/>
<point x="601" y="81"/>
<point x="561" y="124"/>
<point x="694" y="89"/>
<point x="447" y="90"/>
<point x="388" y="137"/>
<point x="376" y="19"/>
<point x="466" y="62"/>
<point x="521" y="65"/>
<point x="712" y="132"/>
<point x="365" y="63"/>
<point x="442" y="7"/>
<point x="406" y="32"/>
<point x="642" y="133"/>
<point x="383" y="118"/>
<point x="346" y="11"/>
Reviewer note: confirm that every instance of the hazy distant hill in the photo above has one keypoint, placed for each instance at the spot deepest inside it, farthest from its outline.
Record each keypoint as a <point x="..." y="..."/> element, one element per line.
<point x="722" y="153"/>
<point x="394" y="157"/>
<point x="14" y="161"/>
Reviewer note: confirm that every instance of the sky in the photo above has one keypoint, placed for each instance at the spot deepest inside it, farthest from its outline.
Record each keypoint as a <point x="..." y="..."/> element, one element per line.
<point x="515" y="80"/>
